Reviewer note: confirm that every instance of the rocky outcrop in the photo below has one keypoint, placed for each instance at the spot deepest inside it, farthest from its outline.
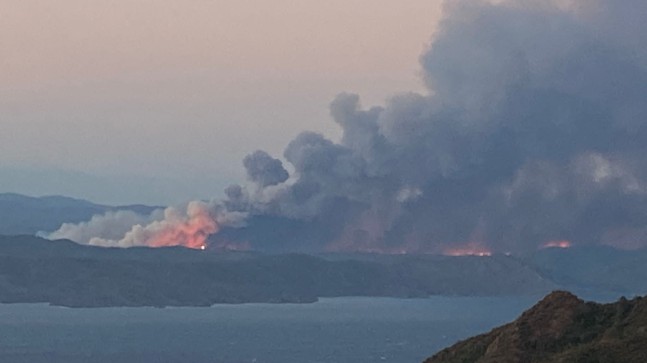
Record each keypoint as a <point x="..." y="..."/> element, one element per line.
<point x="561" y="328"/>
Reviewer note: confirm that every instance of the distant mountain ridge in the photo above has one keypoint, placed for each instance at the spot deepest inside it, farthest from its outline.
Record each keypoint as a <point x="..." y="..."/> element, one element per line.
<point x="561" y="328"/>
<point x="597" y="272"/>
<point x="593" y="268"/>
<point x="64" y="273"/>
<point x="21" y="214"/>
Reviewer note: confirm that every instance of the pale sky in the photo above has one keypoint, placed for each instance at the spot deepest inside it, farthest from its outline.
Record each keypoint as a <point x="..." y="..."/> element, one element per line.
<point x="137" y="101"/>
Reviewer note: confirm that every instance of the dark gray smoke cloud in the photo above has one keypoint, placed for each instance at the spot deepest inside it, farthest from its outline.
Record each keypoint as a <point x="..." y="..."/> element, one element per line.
<point x="264" y="170"/>
<point x="534" y="130"/>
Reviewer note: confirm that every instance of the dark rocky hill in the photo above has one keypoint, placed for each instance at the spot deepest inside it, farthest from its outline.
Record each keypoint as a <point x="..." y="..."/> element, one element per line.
<point x="64" y="273"/>
<point x="561" y="328"/>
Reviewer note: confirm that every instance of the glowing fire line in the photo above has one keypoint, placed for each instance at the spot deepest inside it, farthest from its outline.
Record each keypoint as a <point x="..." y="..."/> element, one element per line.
<point x="557" y="244"/>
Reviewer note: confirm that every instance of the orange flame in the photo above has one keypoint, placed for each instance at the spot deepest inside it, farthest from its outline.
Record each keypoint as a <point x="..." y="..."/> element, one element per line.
<point x="178" y="229"/>
<point x="471" y="249"/>
<point x="192" y="233"/>
<point x="557" y="244"/>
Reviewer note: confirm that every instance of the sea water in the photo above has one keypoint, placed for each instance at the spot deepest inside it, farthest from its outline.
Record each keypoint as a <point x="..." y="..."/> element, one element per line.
<point x="339" y="330"/>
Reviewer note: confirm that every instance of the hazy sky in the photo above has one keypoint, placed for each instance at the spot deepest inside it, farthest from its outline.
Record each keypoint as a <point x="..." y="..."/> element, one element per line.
<point x="159" y="101"/>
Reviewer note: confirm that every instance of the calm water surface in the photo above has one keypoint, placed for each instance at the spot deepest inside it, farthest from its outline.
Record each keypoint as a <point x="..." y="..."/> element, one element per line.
<point x="341" y="330"/>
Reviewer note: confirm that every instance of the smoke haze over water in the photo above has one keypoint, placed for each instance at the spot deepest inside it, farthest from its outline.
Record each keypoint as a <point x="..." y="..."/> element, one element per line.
<point x="534" y="129"/>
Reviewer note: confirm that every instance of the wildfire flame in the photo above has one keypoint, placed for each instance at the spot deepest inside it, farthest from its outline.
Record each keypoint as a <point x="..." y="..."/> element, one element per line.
<point x="471" y="249"/>
<point x="189" y="228"/>
<point x="557" y="244"/>
<point x="191" y="231"/>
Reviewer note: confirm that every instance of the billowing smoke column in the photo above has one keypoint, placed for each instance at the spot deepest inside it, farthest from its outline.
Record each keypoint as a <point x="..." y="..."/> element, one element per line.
<point x="172" y="227"/>
<point x="534" y="130"/>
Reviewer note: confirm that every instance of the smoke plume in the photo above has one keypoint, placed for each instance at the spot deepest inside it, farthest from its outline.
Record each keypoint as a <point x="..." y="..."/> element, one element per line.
<point x="188" y="227"/>
<point x="534" y="129"/>
<point x="110" y="226"/>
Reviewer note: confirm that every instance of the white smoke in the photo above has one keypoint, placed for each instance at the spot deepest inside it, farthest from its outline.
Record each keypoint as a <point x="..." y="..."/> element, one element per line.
<point x="109" y="226"/>
<point x="188" y="226"/>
